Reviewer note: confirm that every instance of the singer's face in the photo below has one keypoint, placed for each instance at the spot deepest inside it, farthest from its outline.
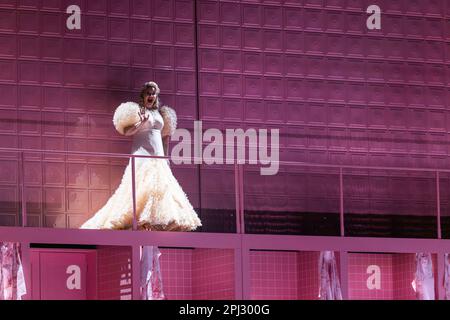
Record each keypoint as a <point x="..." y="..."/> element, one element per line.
<point x="149" y="96"/>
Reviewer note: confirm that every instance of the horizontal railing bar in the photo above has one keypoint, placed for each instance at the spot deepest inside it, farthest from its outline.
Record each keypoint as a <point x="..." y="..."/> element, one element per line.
<point x="109" y="155"/>
<point x="222" y="240"/>
<point x="287" y="163"/>
<point x="119" y="237"/>
<point x="338" y="166"/>
<point x="347" y="244"/>
<point x="85" y="153"/>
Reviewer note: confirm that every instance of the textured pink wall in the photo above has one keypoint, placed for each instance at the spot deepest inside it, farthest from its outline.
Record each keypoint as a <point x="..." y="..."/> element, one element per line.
<point x="274" y="275"/>
<point x="284" y="275"/>
<point x="338" y="92"/>
<point x="52" y="270"/>
<point x="406" y="266"/>
<point x="198" y="274"/>
<point x="59" y="88"/>
<point x="280" y="275"/>
<point x="114" y="273"/>
<point x="357" y="276"/>
<point x="308" y="270"/>
<point x="405" y="269"/>
<point x="397" y="274"/>
<point x="213" y="274"/>
<point x="176" y="270"/>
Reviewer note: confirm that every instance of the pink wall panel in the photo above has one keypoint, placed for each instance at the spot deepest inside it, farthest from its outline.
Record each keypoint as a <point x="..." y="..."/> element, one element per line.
<point x="322" y="53"/>
<point x="308" y="270"/>
<point x="404" y="275"/>
<point x="197" y="274"/>
<point x="213" y="274"/>
<point x="285" y="275"/>
<point x="406" y="268"/>
<point x="114" y="273"/>
<point x="357" y="275"/>
<point x="176" y="270"/>
<point x="54" y="270"/>
<point x="61" y="86"/>
<point x="274" y="275"/>
<point x="397" y="273"/>
<point x="339" y="93"/>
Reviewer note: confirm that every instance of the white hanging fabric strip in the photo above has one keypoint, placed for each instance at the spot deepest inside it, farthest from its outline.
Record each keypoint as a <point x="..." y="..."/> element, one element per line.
<point x="447" y="277"/>
<point x="423" y="283"/>
<point x="12" y="280"/>
<point x="151" y="279"/>
<point x="329" y="284"/>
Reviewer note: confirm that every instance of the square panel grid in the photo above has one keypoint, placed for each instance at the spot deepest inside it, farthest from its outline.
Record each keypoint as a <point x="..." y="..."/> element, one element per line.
<point x="60" y="84"/>
<point x="397" y="272"/>
<point x="308" y="270"/>
<point x="114" y="273"/>
<point x="213" y="274"/>
<point x="358" y="276"/>
<point x="176" y="267"/>
<point x="284" y="275"/>
<point x="337" y="91"/>
<point x="197" y="273"/>
<point x="390" y="203"/>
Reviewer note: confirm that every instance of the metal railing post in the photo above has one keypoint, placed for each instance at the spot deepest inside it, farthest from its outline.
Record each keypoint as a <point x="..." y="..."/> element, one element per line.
<point x="341" y="202"/>
<point x="237" y="198"/>
<point x="22" y="187"/>
<point x="133" y="188"/>
<point x="438" y="204"/>
<point x="241" y="198"/>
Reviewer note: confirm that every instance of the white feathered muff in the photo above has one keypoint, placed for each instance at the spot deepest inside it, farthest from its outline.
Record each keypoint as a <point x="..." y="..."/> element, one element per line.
<point x="126" y="114"/>
<point x="170" y="120"/>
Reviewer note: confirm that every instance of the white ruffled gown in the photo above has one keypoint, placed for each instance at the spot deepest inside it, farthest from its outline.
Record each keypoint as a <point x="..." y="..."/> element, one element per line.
<point x="161" y="203"/>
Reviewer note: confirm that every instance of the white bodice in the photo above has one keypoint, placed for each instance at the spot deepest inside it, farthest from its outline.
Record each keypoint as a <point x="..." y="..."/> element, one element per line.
<point x="148" y="140"/>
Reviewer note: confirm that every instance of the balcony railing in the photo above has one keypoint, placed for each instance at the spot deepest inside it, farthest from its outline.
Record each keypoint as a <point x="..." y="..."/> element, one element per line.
<point x="338" y="171"/>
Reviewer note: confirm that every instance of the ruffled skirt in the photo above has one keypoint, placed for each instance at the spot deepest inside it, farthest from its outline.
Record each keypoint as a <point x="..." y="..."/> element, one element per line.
<point x="161" y="203"/>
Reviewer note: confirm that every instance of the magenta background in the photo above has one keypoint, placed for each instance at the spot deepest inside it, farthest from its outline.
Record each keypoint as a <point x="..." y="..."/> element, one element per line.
<point x="338" y="92"/>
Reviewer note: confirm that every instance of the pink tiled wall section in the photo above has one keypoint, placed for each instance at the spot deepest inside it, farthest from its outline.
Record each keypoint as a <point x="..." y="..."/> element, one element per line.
<point x="338" y="92"/>
<point x="357" y="276"/>
<point x="213" y="274"/>
<point x="176" y="269"/>
<point x="274" y="275"/>
<point x="397" y="274"/>
<point x="390" y="192"/>
<point x="406" y="267"/>
<point x="308" y="274"/>
<point x="59" y="88"/>
<point x="197" y="273"/>
<point x="285" y="275"/>
<point x="114" y="273"/>
<point x="308" y="271"/>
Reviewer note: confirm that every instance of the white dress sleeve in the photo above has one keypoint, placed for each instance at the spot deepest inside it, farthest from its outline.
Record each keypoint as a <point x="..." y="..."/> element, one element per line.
<point x="170" y="121"/>
<point x="126" y="114"/>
